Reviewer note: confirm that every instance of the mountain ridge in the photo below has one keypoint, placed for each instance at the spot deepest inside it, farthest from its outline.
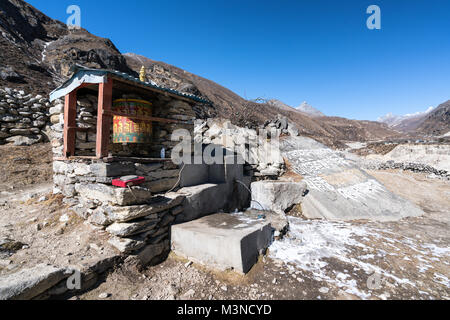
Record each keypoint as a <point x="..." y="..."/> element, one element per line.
<point x="39" y="51"/>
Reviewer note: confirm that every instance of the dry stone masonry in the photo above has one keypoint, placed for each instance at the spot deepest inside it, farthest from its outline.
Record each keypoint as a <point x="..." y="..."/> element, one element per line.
<point x="259" y="162"/>
<point x="23" y="117"/>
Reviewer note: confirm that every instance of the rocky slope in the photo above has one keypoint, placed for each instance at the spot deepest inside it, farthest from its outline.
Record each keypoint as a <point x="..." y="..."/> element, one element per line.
<point x="437" y="122"/>
<point x="433" y="121"/>
<point x="37" y="52"/>
<point x="407" y="122"/>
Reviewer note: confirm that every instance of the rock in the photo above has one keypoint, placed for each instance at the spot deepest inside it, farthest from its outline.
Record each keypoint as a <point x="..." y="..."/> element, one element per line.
<point x="64" y="218"/>
<point x="58" y="109"/>
<point x="324" y="290"/>
<point x="293" y="130"/>
<point x="24" y="140"/>
<point x="126" y="245"/>
<point x="224" y="288"/>
<point x="128" y="213"/>
<point x="54" y="119"/>
<point x="152" y="251"/>
<point x="8" y="74"/>
<point x="161" y="185"/>
<point x="189" y="294"/>
<point x="270" y="171"/>
<point x="29" y="283"/>
<point x="277" y="195"/>
<point x="104" y="295"/>
<point x="115" y="196"/>
<point x="112" y="169"/>
<point x="161" y="174"/>
<point x="127" y="229"/>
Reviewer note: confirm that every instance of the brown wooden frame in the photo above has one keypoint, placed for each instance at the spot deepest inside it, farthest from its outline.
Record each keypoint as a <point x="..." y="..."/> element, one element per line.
<point x="104" y="115"/>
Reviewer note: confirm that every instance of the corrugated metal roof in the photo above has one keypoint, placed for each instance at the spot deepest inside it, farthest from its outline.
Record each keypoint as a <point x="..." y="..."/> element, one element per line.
<point x="80" y="70"/>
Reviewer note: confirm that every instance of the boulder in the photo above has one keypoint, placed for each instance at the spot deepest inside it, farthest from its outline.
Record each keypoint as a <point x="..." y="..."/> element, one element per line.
<point x="125" y="245"/>
<point x="277" y="196"/>
<point x="126" y="229"/>
<point x="24" y="140"/>
<point x="29" y="283"/>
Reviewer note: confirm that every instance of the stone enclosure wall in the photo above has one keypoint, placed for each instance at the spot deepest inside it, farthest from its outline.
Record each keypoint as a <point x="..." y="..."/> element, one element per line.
<point x="23" y="117"/>
<point x="259" y="163"/>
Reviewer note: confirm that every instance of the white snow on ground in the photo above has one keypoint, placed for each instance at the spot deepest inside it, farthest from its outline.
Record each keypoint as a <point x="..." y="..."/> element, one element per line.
<point x="45" y="49"/>
<point x="309" y="243"/>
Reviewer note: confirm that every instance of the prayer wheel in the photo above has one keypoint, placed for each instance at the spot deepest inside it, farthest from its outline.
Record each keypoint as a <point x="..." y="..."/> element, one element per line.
<point x="129" y="123"/>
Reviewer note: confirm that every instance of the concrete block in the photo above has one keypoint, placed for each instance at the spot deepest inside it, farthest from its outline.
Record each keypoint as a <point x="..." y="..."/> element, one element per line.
<point x="194" y="174"/>
<point x="216" y="173"/>
<point x="222" y="241"/>
<point x="233" y="170"/>
<point x="202" y="200"/>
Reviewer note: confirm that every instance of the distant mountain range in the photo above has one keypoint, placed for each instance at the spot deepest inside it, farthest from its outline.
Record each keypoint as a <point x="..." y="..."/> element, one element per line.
<point x="36" y="53"/>
<point x="308" y="109"/>
<point x="407" y="122"/>
<point x="433" y="121"/>
<point x="304" y="108"/>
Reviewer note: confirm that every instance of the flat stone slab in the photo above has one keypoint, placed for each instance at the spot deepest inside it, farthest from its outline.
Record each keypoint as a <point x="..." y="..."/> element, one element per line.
<point x="29" y="283"/>
<point x="340" y="190"/>
<point x="223" y="241"/>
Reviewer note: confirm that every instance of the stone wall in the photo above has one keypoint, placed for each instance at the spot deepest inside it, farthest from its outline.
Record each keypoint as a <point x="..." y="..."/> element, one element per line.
<point x="23" y="117"/>
<point x="138" y="218"/>
<point x="259" y="162"/>
<point x="408" y="166"/>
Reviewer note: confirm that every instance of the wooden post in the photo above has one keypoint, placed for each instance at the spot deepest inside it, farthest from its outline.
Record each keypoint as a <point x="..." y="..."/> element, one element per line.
<point x="70" y="113"/>
<point x="104" y="118"/>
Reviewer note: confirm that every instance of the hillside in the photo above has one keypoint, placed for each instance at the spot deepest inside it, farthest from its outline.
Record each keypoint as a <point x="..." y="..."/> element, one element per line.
<point x="438" y="121"/>
<point x="433" y="121"/>
<point x="407" y="122"/>
<point x="37" y="52"/>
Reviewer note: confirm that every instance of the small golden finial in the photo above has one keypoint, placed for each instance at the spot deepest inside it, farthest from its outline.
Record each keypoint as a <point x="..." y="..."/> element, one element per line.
<point x="142" y="74"/>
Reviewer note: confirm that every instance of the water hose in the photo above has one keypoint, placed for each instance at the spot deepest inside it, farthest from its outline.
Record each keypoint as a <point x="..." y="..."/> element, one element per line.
<point x="262" y="207"/>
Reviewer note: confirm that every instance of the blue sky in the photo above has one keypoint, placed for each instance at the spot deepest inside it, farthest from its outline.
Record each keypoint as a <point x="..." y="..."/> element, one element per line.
<point x="316" y="50"/>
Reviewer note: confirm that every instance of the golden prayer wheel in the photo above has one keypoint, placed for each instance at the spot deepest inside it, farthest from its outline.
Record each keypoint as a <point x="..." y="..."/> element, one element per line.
<point x="129" y="124"/>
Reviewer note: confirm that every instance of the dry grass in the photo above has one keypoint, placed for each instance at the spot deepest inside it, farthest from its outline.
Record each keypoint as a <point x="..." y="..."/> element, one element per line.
<point x="24" y="166"/>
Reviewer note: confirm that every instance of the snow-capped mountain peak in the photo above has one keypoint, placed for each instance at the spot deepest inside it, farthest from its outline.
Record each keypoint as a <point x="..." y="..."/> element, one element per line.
<point x="308" y="109"/>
